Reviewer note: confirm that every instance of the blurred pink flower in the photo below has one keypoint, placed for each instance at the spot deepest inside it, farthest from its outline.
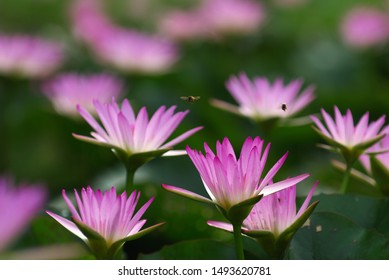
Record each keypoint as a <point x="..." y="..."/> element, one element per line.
<point x="29" y="57"/>
<point x="132" y="51"/>
<point x="68" y="90"/>
<point x="183" y="25"/>
<point x="89" y="22"/>
<point x="275" y="213"/>
<point x="232" y="16"/>
<point x="18" y="206"/>
<point x="365" y="27"/>
<point x="230" y="181"/>
<point x="260" y="100"/>
<point x="124" y="49"/>
<point x="383" y="157"/>
<point x="345" y="137"/>
<point x="104" y="219"/>
<point x="124" y="131"/>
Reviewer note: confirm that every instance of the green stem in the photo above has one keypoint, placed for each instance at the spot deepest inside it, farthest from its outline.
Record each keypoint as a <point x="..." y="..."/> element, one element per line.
<point x="238" y="241"/>
<point x="129" y="180"/>
<point x="346" y="179"/>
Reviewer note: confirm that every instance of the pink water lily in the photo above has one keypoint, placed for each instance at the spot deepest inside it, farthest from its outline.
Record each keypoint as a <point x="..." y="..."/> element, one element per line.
<point x="230" y="181"/>
<point x="18" y="206"/>
<point x="133" y="51"/>
<point x="365" y="26"/>
<point x="231" y="16"/>
<point x="105" y="220"/>
<point x="376" y="162"/>
<point x="124" y="131"/>
<point x="68" y="90"/>
<point x="234" y="184"/>
<point x="349" y="139"/>
<point x="380" y="151"/>
<point x="28" y="56"/>
<point x="274" y="220"/>
<point x="127" y="50"/>
<point x="274" y="213"/>
<point x="261" y="100"/>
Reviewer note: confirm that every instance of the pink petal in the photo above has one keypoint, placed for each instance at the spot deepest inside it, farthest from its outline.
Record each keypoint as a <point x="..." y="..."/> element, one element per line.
<point x="307" y="200"/>
<point x="269" y="176"/>
<point x="68" y="225"/>
<point x="221" y="225"/>
<point x="181" y="138"/>
<point x="269" y="189"/>
<point x="186" y="193"/>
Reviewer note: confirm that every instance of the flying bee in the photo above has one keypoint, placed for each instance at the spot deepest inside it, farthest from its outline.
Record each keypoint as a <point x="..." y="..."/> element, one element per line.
<point x="190" y="99"/>
<point x="283" y="107"/>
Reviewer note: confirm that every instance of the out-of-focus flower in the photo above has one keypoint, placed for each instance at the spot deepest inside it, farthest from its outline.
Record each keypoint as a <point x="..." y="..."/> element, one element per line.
<point x="122" y="130"/>
<point x="349" y="140"/>
<point x="184" y="25"/>
<point x="68" y="90"/>
<point x="235" y="185"/>
<point x="124" y="49"/>
<point x="232" y="16"/>
<point x="213" y="19"/>
<point x="89" y="22"/>
<point x="105" y="221"/>
<point x="382" y="147"/>
<point x="18" y="206"/>
<point x="273" y="221"/>
<point x="376" y="163"/>
<point x="365" y="27"/>
<point x="132" y="51"/>
<point x="262" y="101"/>
<point x="28" y="56"/>
<point x="134" y="139"/>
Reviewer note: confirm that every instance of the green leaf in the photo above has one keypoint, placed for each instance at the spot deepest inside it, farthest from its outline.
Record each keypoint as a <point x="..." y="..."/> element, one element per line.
<point x="203" y="249"/>
<point x="367" y="212"/>
<point x="381" y="175"/>
<point x="333" y="236"/>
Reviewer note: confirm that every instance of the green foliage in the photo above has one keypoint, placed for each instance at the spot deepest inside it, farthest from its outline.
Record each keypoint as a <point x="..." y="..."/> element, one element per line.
<point x="344" y="227"/>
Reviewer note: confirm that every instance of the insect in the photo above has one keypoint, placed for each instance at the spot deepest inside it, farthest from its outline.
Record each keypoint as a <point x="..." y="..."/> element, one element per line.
<point x="283" y="107"/>
<point x="190" y="99"/>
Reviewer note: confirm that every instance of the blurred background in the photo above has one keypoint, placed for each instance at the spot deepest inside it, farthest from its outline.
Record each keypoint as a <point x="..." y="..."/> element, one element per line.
<point x="303" y="39"/>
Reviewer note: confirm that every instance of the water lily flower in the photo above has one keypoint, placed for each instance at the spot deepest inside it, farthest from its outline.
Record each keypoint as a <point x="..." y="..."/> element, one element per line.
<point x="230" y="181"/>
<point x="365" y="26"/>
<point x="264" y="102"/>
<point x="133" y="51"/>
<point x="376" y="163"/>
<point x="274" y="220"/>
<point x="184" y="25"/>
<point x="124" y="49"/>
<point x="18" y="206"/>
<point x="68" y="90"/>
<point x="232" y="16"/>
<point x="28" y="56"/>
<point x="235" y="185"/>
<point x="105" y="220"/>
<point x="89" y="21"/>
<point x="350" y="140"/>
<point x="134" y="139"/>
<point x="345" y="137"/>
